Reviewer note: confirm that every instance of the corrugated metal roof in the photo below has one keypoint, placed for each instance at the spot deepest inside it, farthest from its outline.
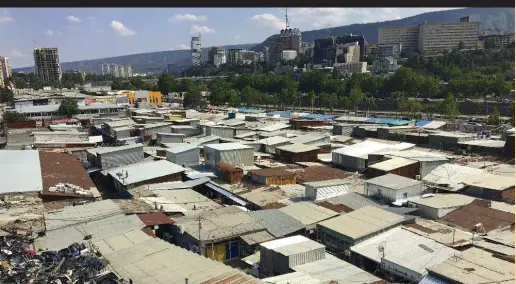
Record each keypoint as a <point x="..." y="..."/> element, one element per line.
<point x="274" y="127"/>
<point x="276" y="222"/>
<point x="491" y="181"/>
<point x="152" y="260"/>
<point x="440" y="233"/>
<point x="475" y="266"/>
<point x="20" y="171"/>
<point x="104" y="150"/>
<point x="297" y="148"/>
<point x="311" y="137"/>
<point x="362" y="149"/>
<point x="182" y="148"/>
<point x="308" y="213"/>
<point x="326" y="183"/>
<point x="405" y="249"/>
<point x="257" y="238"/>
<point x="186" y="201"/>
<point x="227" y="146"/>
<point x="417" y="155"/>
<point x="444" y="200"/>
<point x="392" y="164"/>
<point x="362" y="222"/>
<point x="393" y="181"/>
<point x="352" y="118"/>
<point x="155" y="218"/>
<point x="353" y="200"/>
<point x="292" y="278"/>
<point x="220" y="226"/>
<point x="145" y="171"/>
<point x="98" y="229"/>
<point x="451" y="176"/>
<point x="274" y="140"/>
<point x="71" y="215"/>
<point x="430" y="279"/>
<point x="334" y="269"/>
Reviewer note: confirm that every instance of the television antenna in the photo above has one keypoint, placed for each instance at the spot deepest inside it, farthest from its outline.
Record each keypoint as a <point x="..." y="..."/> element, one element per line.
<point x="123" y="175"/>
<point x="287" y="26"/>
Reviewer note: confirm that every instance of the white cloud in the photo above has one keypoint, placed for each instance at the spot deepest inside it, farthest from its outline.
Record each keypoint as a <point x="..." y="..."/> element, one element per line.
<point x="17" y="53"/>
<point x="49" y="32"/>
<point x="121" y="29"/>
<point x="195" y="29"/>
<point x="6" y="19"/>
<point x="188" y="17"/>
<point x="269" y="21"/>
<point x="73" y="19"/>
<point x="180" y="46"/>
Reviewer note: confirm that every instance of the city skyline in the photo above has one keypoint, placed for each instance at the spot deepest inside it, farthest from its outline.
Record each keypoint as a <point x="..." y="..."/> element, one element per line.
<point x="82" y="34"/>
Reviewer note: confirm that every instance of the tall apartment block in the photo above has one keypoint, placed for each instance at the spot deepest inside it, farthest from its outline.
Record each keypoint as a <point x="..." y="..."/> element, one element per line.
<point x="5" y="65"/>
<point x="433" y="38"/>
<point x="196" y="48"/>
<point x="287" y="39"/>
<point x="47" y="66"/>
<point x="217" y="56"/>
<point x="118" y="71"/>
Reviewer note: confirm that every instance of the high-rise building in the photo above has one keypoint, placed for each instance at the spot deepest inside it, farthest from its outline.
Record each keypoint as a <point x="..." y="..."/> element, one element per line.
<point x="118" y="71"/>
<point x="47" y="66"/>
<point x="433" y="38"/>
<point x="386" y="50"/>
<point x="287" y="39"/>
<point x="347" y="53"/>
<point x="235" y="55"/>
<point x="196" y="50"/>
<point x="324" y="52"/>
<point x="217" y="56"/>
<point x="5" y="65"/>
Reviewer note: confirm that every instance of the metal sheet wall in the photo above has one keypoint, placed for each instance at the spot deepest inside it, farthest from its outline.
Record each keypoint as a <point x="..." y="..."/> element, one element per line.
<point x="237" y="157"/>
<point x="123" y="133"/>
<point x="153" y="131"/>
<point x="224" y="132"/>
<point x="188" y="158"/>
<point x="170" y="138"/>
<point x="121" y="158"/>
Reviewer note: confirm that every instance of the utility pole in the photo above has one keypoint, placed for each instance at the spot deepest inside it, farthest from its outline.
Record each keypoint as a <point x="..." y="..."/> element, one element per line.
<point x="199" y="225"/>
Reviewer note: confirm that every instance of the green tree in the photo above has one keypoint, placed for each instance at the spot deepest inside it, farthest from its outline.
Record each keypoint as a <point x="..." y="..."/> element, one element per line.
<point x="193" y="99"/>
<point x="68" y="107"/>
<point x="494" y="118"/>
<point x="6" y="95"/>
<point x="355" y="97"/>
<point x="250" y="96"/>
<point x="410" y="107"/>
<point x="333" y="101"/>
<point x="448" y="107"/>
<point x="14" y="116"/>
<point x="233" y="98"/>
<point x="167" y="84"/>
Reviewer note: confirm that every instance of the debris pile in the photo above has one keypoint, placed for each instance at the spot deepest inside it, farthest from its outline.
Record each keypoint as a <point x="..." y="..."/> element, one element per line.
<point x="21" y="264"/>
<point x="69" y="188"/>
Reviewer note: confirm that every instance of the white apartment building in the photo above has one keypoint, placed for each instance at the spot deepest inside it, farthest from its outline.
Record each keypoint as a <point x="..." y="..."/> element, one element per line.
<point x="5" y="66"/>
<point x="435" y="38"/>
<point x="407" y="36"/>
<point x="432" y="38"/>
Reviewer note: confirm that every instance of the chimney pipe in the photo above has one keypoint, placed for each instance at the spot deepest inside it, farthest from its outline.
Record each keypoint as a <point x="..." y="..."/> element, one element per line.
<point x="186" y="280"/>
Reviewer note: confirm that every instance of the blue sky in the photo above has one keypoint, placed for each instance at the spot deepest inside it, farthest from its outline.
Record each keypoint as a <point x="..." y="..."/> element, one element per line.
<point x="90" y="33"/>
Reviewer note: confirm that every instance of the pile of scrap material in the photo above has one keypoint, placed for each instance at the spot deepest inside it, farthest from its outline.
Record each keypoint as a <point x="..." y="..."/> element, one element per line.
<point x="21" y="264"/>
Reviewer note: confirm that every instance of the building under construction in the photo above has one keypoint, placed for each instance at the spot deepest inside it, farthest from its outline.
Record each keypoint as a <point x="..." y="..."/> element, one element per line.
<point x="47" y="66"/>
<point x="196" y="50"/>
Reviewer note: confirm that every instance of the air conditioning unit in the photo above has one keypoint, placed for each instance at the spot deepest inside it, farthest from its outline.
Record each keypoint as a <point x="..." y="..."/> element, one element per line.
<point x="418" y="177"/>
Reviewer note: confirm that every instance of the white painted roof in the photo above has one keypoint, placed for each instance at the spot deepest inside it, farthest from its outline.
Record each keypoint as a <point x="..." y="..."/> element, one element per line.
<point x="362" y="149"/>
<point x="20" y="171"/>
<point x="145" y="171"/>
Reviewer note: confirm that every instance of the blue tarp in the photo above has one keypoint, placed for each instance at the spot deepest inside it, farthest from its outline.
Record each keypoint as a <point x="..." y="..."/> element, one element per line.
<point x="318" y="116"/>
<point x="388" y="121"/>
<point x="249" y="110"/>
<point x="284" y="113"/>
<point x="421" y="123"/>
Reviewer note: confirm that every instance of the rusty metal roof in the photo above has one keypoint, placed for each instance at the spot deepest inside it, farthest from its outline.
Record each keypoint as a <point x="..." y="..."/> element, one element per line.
<point x="63" y="168"/>
<point x="479" y="211"/>
<point x="321" y="173"/>
<point x="226" y="167"/>
<point x="155" y="218"/>
<point x="270" y="172"/>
